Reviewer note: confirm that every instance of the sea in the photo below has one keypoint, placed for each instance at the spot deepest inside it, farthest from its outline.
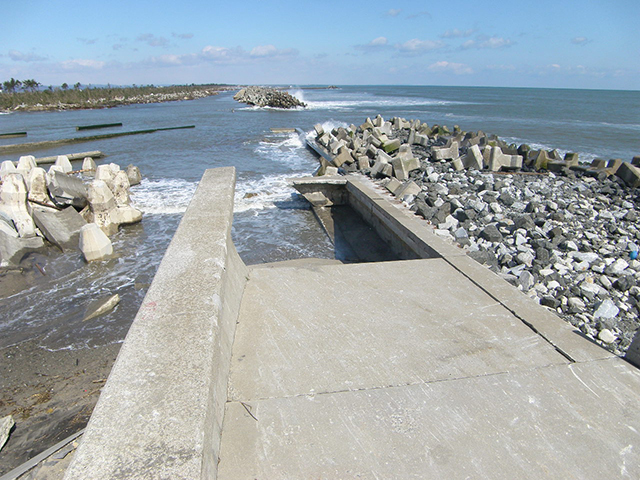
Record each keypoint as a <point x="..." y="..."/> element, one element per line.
<point x="271" y="222"/>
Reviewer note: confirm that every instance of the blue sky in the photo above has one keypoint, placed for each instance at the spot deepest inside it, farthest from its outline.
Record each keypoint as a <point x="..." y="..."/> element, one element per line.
<point x="569" y="44"/>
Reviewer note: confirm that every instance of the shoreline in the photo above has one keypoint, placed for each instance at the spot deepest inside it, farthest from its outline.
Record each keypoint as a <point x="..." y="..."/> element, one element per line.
<point x="157" y="96"/>
<point x="50" y="394"/>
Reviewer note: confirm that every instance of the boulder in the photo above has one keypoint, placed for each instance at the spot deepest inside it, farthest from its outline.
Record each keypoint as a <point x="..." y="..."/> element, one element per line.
<point x="13" y="203"/>
<point x="67" y="190"/>
<point x="60" y="227"/>
<point x="94" y="244"/>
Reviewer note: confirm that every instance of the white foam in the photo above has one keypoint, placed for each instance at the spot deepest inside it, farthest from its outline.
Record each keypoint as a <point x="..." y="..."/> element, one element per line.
<point x="266" y="192"/>
<point x="286" y="149"/>
<point x="165" y="196"/>
<point x="388" y="102"/>
<point x="584" y="157"/>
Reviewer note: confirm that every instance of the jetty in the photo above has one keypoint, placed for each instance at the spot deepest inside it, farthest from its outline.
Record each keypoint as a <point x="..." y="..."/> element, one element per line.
<point x="426" y="366"/>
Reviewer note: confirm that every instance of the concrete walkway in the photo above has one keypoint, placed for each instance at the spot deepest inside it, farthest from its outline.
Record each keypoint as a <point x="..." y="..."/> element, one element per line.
<point x="409" y="369"/>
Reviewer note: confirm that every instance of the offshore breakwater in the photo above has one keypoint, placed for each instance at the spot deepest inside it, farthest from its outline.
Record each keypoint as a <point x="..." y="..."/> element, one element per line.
<point x="567" y="237"/>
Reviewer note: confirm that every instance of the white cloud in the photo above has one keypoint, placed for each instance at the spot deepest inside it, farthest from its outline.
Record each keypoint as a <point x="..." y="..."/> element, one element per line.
<point x="455" y="33"/>
<point x="487" y="42"/>
<point x="215" y="52"/>
<point x="17" y="56"/>
<point x="375" y="44"/>
<point x="82" y="63"/>
<point x="449" y="67"/>
<point x="394" y="12"/>
<point x="153" y="41"/>
<point x="418" y="46"/>
<point x="580" y="41"/>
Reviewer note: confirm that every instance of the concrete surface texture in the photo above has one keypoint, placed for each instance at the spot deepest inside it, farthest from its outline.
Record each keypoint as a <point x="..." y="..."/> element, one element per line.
<point x="160" y="412"/>
<point x="409" y="370"/>
<point x="421" y="368"/>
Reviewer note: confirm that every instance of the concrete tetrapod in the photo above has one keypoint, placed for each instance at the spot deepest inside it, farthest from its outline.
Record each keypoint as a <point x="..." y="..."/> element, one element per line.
<point x="94" y="243"/>
<point x="13" y="202"/>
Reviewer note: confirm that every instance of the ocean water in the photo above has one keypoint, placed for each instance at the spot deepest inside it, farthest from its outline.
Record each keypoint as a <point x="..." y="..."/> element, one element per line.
<point x="271" y="222"/>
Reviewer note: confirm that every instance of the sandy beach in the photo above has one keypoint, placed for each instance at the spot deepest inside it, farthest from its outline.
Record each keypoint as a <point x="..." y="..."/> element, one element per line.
<point x="50" y="394"/>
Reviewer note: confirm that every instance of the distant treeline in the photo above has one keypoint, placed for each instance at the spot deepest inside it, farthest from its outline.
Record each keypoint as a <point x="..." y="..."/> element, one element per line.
<point x="31" y="95"/>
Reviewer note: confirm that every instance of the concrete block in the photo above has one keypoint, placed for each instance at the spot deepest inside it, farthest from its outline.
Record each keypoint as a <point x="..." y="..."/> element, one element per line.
<point x="499" y="160"/>
<point x="473" y="159"/>
<point x="541" y="160"/>
<point x="6" y="168"/>
<point x="445" y="153"/>
<point x="13" y="250"/>
<point x="25" y="164"/>
<point x="457" y="164"/>
<point x="63" y="162"/>
<point x="89" y="165"/>
<point x="134" y="175"/>
<point x="635" y="161"/>
<point x="392" y="145"/>
<point x="38" y="190"/>
<point x="399" y="169"/>
<point x="363" y="162"/>
<point x="629" y="173"/>
<point x="343" y="156"/>
<point x="367" y="125"/>
<point x="378" y="121"/>
<point x="13" y="203"/>
<point x="102" y="203"/>
<point x="319" y="130"/>
<point x="571" y="159"/>
<point x="404" y="152"/>
<point x="393" y="185"/>
<point x="613" y="165"/>
<point x="68" y="189"/>
<point x="331" y="170"/>
<point x="598" y="164"/>
<point x="60" y="227"/>
<point x="94" y="243"/>
<point x="409" y="188"/>
<point x="336" y="145"/>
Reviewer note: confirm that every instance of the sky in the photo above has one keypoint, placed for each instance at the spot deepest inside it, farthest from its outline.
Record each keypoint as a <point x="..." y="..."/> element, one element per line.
<point x="516" y="43"/>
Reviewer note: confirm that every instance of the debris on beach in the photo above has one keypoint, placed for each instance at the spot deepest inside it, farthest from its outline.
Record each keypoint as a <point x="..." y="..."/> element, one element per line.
<point x="267" y="97"/>
<point x="563" y="232"/>
<point x="102" y="306"/>
<point x="6" y="424"/>
<point x="57" y="206"/>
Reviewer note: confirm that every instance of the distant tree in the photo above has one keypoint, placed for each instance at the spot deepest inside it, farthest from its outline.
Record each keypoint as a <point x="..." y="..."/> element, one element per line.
<point x="77" y="86"/>
<point x="30" y="84"/>
<point x="64" y="86"/>
<point x="11" y="85"/>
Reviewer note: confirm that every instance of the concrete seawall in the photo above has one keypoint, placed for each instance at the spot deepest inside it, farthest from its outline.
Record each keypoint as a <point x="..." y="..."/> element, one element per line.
<point x="160" y="413"/>
<point x="313" y="369"/>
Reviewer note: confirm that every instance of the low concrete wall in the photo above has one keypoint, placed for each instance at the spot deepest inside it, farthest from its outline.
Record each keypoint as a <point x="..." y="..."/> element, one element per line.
<point x="160" y="413"/>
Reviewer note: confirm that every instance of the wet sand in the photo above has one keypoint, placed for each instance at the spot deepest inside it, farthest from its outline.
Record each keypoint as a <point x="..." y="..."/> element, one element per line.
<point x="50" y="394"/>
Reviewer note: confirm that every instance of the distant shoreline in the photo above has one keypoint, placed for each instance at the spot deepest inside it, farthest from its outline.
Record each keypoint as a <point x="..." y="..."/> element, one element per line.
<point x="95" y="98"/>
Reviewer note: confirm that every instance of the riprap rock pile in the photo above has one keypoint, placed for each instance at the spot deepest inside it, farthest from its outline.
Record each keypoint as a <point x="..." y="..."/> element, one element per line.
<point x="267" y="97"/>
<point x="62" y="208"/>
<point x="568" y="239"/>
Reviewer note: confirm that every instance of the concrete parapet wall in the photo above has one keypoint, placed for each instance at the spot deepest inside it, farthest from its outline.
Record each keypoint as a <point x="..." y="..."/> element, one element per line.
<point x="160" y="413"/>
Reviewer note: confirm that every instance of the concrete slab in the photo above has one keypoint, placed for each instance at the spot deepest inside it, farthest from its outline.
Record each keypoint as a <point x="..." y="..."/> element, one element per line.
<point x="558" y="332"/>
<point x="333" y="328"/>
<point x="567" y="421"/>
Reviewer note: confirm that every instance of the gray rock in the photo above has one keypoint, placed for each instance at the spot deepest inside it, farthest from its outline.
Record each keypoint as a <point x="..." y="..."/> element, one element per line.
<point x="607" y="309"/>
<point x="491" y="233"/>
<point x="267" y="97"/>
<point x="526" y="281"/>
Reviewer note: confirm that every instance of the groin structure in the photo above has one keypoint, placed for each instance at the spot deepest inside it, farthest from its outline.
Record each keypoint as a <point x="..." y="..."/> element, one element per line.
<point x="430" y="366"/>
